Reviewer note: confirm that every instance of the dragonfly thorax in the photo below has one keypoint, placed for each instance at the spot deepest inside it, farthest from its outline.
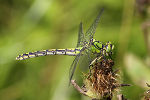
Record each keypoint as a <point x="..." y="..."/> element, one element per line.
<point x="100" y="48"/>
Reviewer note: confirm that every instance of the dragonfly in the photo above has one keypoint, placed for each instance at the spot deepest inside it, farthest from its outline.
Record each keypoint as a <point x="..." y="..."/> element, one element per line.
<point x="86" y="45"/>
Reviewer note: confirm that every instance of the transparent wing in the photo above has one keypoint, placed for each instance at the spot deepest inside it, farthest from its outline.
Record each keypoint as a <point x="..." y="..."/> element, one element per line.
<point x="83" y="59"/>
<point x="81" y="38"/>
<point x="91" y="31"/>
<point x="73" y="67"/>
<point x="90" y="56"/>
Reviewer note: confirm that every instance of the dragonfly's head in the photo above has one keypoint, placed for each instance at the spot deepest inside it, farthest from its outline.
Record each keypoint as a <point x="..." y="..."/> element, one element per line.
<point x="109" y="48"/>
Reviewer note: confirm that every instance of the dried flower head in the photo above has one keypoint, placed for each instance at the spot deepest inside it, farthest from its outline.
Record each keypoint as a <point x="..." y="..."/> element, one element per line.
<point x="101" y="81"/>
<point x="147" y="93"/>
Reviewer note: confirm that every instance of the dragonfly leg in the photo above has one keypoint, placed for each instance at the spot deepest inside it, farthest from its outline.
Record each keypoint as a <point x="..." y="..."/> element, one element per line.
<point x="110" y="56"/>
<point x="92" y="63"/>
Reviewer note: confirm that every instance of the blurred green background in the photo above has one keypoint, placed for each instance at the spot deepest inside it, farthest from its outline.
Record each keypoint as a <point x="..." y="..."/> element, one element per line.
<point x="30" y="25"/>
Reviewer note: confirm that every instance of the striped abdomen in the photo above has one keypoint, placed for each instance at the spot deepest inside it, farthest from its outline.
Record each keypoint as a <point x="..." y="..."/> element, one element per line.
<point x="70" y="52"/>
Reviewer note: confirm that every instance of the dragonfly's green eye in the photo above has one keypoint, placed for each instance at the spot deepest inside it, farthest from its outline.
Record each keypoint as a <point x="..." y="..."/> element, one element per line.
<point x="109" y="47"/>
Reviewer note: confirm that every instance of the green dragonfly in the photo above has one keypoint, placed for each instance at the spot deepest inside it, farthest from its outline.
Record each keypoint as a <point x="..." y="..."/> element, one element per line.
<point x="86" y="45"/>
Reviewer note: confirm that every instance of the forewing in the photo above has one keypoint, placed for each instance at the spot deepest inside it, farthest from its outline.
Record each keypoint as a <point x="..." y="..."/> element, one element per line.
<point x="81" y="38"/>
<point x="91" y="31"/>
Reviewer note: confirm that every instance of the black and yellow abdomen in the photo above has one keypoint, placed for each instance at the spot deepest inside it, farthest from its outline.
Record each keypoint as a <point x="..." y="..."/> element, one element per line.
<point x="68" y="51"/>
